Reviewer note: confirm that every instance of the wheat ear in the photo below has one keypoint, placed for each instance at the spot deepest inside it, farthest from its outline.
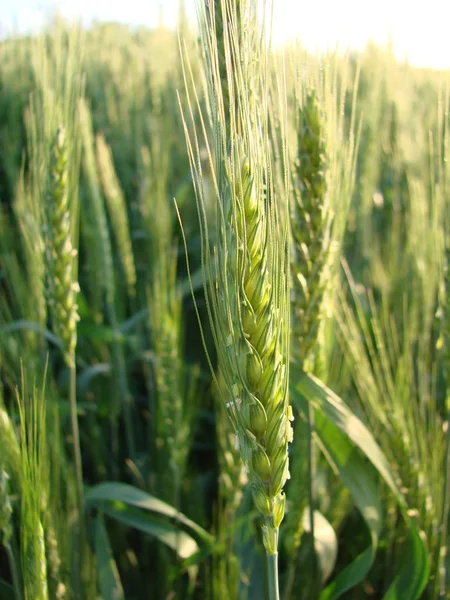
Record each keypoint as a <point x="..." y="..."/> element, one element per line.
<point x="63" y="288"/>
<point x="246" y="272"/>
<point x="311" y="219"/>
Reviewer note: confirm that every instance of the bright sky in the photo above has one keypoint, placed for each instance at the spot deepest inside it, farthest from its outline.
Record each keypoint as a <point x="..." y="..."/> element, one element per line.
<point x="419" y="30"/>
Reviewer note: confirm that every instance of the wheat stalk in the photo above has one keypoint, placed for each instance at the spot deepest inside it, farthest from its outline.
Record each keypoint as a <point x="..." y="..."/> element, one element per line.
<point x="104" y="274"/>
<point x="95" y="210"/>
<point x="310" y="218"/>
<point x="117" y="209"/>
<point x="172" y="410"/>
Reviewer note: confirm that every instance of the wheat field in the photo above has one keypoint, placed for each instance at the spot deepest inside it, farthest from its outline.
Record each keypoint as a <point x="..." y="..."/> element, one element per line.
<point x="224" y="326"/>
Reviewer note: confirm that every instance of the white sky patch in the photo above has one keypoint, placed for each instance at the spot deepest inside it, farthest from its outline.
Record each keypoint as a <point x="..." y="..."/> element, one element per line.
<point x="419" y="30"/>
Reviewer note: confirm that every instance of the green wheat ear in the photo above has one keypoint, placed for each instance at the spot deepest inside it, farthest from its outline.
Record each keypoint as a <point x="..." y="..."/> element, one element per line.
<point x="63" y="288"/>
<point x="32" y="411"/>
<point x="233" y="477"/>
<point x="246" y="271"/>
<point x="10" y="447"/>
<point x="311" y="220"/>
<point x="6" y="510"/>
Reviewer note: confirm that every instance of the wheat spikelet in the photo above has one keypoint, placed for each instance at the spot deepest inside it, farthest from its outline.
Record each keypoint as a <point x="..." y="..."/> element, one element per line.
<point x="63" y="288"/>
<point x="52" y="556"/>
<point x="233" y="477"/>
<point x="10" y="446"/>
<point x="5" y="509"/>
<point x="29" y="217"/>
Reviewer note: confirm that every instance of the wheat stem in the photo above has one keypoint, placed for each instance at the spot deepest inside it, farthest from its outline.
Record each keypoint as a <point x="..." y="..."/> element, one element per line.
<point x="272" y="576"/>
<point x="312" y="467"/>
<point x="76" y="435"/>
<point x="119" y="359"/>
<point x="79" y="534"/>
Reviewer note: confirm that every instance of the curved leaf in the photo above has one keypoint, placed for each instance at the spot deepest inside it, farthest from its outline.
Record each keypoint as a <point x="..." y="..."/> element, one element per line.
<point x="413" y="577"/>
<point x="24" y="325"/>
<point x="338" y="413"/>
<point x="171" y="535"/>
<point x="101" y="333"/>
<point x="361" y="481"/>
<point x="108" y="574"/>
<point x="6" y="591"/>
<point x="89" y="373"/>
<point x="337" y="428"/>
<point x="325" y="542"/>
<point x="132" y="496"/>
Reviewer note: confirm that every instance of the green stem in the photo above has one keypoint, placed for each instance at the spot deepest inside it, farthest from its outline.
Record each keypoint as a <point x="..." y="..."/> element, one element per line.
<point x="290" y="579"/>
<point x="177" y="505"/>
<point x="123" y="382"/>
<point x="76" y="436"/>
<point x="272" y="576"/>
<point x="14" y="573"/>
<point x="79" y="531"/>
<point x="311" y="488"/>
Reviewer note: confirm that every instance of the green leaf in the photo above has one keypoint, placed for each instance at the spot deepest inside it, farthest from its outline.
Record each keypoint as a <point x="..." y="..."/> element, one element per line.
<point x="414" y="574"/>
<point x="325" y="542"/>
<point x="171" y="535"/>
<point x="100" y="333"/>
<point x="360" y="479"/>
<point x="108" y="574"/>
<point x="89" y="373"/>
<point x="339" y="430"/>
<point x="132" y="496"/>
<point x="6" y="591"/>
<point x="23" y="325"/>
<point x="133" y="321"/>
<point x="338" y="413"/>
